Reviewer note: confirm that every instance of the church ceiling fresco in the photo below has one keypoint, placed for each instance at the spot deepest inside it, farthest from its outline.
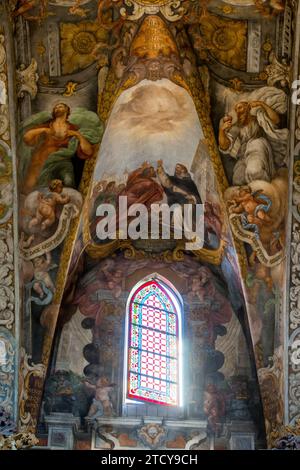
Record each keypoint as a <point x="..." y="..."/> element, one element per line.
<point x="163" y="102"/>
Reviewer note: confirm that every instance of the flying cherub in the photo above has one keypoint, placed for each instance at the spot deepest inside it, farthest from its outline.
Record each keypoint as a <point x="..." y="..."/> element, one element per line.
<point x="253" y="207"/>
<point x="214" y="407"/>
<point x="45" y="213"/>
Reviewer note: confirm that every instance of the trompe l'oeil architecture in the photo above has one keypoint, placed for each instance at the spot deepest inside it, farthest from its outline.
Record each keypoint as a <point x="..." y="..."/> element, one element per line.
<point x="149" y="224"/>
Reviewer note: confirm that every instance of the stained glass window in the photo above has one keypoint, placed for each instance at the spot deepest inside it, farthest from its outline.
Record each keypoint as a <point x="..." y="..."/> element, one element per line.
<point x="154" y="322"/>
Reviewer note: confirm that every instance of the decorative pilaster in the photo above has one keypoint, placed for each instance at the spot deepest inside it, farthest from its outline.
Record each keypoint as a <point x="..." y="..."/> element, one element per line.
<point x="61" y="430"/>
<point x="9" y="301"/>
<point x="254" y="46"/>
<point x="292" y="338"/>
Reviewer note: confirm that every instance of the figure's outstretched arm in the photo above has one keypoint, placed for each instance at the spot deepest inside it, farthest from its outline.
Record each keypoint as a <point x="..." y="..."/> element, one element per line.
<point x="269" y="111"/>
<point x="89" y="385"/>
<point x="30" y="137"/>
<point x="162" y="176"/>
<point x="225" y="125"/>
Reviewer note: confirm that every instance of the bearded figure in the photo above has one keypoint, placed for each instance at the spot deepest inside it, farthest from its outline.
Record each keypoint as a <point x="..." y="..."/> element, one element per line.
<point x="254" y="138"/>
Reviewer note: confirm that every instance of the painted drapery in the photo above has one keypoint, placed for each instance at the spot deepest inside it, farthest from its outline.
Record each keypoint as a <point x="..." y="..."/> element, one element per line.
<point x="231" y="104"/>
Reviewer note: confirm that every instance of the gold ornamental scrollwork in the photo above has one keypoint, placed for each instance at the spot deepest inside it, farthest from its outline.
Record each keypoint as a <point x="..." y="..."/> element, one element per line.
<point x="27" y="399"/>
<point x="22" y="440"/>
<point x="282" y="431"/>
<point x="170" y="9"/>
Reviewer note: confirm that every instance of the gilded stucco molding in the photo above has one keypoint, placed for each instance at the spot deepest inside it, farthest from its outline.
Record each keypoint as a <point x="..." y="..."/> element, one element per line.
<point x="18" y="441"/>
<point x="9" y="279"/>
<point x="4" y="113"/>
<point x="294" y="311"/>
<point x="7" y="295"/>
<point x="277" y="72"/>
<point x="170" y="9"/>
<point x="286" y="437"/>
<point x="7" y="368"/>
<point x="27" y="78"/>
<point x="28" y="401"/>
<point x="292" y="318"/>
<point x="8" y="355"/>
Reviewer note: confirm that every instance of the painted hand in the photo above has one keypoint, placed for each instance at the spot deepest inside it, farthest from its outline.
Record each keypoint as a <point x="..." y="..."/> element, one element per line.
<point x="226" y="123"/>
<point x="74" y="134"/>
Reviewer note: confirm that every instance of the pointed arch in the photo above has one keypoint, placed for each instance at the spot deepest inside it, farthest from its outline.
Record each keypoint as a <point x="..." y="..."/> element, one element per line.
<point x="153" y="343"/>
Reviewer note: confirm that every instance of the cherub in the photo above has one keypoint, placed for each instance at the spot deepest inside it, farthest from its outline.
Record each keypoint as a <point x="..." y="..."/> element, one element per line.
<point x="45" y="213"/>
<point x="253" y="207"/>
<point x="214" y="407"/>
<point x="114" y="280"/>
<point x="199" y="285"/>
<point x="215" y="309"/>
<point x="101" y="403"/>
<point x="41" y="267"/>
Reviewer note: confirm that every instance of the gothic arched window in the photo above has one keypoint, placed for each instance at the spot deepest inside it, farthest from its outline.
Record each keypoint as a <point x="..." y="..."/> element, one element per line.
<point x="153" y="347"/>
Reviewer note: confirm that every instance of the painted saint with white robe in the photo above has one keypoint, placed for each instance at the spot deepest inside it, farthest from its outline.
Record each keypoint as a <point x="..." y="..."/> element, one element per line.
<point x="254" y="138"/>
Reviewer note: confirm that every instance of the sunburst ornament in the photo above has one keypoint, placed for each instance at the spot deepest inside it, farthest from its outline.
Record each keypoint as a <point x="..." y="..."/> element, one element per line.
<point x="78" y="43"/>
<point x="225" y="40"/>
<point x="170" y="9"/>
